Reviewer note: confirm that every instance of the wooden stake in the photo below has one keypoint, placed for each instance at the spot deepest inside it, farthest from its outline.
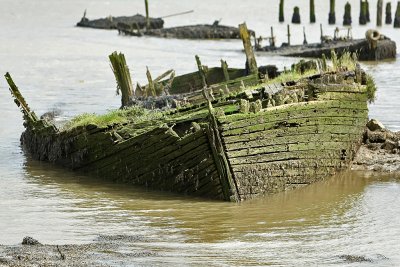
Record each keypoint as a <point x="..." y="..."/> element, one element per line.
<point x="363" y="12"/>
<point x="397" y="16"/>
<point x="347" y="15"/>
<point x="281" y="9"/>
<point x="224" y="67"/>
<point x="272" y="40"/>
<point x="288" y="34"/>
<point x="312" y="11"/>
<point x="332" y="16"/>
<point x="122" y="76"/>
<point x="201" y="71"/>
<point x="248" y="49"/>
<point x="151" y="89"/>
<point x="388" y="18"/>
<point x="379" y="11"/>
<point x="147" y="15"/>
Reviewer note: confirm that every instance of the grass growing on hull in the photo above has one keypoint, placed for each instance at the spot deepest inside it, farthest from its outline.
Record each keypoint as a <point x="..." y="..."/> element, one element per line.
<point x="371" y="89"/>
<point x="132" y="114"/>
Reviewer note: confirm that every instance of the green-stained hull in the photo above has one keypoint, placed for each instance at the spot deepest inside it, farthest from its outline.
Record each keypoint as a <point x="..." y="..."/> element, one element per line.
<point x="293" y="135"/>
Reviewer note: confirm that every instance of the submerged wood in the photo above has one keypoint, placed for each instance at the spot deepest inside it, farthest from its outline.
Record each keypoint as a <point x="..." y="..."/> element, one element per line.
<point x="291" y="134"/>
<point x="200" y="31"/>
<point x="382" y="48"/>
<point x="133" y="22"/>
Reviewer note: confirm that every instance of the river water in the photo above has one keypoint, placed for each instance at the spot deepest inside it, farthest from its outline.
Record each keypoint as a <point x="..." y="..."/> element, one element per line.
<point x="59" y="66"/>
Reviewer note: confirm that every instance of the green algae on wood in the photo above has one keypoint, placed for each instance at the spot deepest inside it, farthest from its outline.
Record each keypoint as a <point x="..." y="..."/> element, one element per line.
<point x="122" y="76"/>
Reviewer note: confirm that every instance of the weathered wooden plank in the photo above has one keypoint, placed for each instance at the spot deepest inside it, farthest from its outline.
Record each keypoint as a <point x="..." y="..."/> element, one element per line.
<point x="298" y="108"/>
<point x="294" y="146"/>
<point x="291" y="139"/>
<point x="298" y="123"/>
<point x="313" y="113"/>
<point x="313" y="153"/>
<point x="292" y="131"/>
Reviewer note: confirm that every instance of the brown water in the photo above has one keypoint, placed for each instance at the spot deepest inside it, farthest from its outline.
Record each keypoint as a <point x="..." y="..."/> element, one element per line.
<point x="60" y="66"/>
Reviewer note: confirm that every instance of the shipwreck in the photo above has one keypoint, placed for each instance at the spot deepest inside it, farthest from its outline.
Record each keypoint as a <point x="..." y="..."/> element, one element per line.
<point x="373" y="47"/>
<point x="233" y="134"/>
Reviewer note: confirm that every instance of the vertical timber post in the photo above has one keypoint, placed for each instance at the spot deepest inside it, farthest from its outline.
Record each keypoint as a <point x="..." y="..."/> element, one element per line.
<point x="228" y="184"/>
<point x="379" y="10"/>
<point x="29" y="116"/>
<point x="388" y="17"/>
<point x="152" y="89"/>
<point x="363" y="12"/>
<point x="347" y="15"/>
<point x="397" y="16"/>
<point x="288" y="34"/>
<point x="147" y="15"/>
<point x="272" y="42"/>
<point x="201" y="71"/>
<point x="332" y="16"/>
<point x="296" y="15"/>
<point x="281" y="14"/>
<point x="322" y="33"/>
<point x="248" y="49"/>
<point x="122" y="76"/>
<point x="224" y="67"/>
<point x="312" y="11"/>
<point x="305" y="37"/>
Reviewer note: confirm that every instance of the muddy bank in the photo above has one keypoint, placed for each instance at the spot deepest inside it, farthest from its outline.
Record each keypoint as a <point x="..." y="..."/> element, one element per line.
<point x="380" y="150"/>
<point x="104" y="251"/>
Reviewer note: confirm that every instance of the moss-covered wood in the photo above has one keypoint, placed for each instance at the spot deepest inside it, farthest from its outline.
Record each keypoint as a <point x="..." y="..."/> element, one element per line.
<point x="123" y="77"/>
<point x="291" y="134"/>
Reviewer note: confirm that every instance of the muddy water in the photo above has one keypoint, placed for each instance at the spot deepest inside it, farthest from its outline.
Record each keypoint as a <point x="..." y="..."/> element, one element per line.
<point x="58" y="66"/>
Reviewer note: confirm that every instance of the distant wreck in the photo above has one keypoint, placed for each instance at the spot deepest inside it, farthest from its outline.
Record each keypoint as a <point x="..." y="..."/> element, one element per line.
<point x="139" y="25"/>
<point x="136" y="22"/>
<point x="233" y="135"/>
<point x="200" y="31"/>
<point x="374" y="46"/>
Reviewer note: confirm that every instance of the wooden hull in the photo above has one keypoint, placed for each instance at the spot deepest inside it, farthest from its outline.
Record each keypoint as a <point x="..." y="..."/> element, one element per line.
<point x="300" y="134"/>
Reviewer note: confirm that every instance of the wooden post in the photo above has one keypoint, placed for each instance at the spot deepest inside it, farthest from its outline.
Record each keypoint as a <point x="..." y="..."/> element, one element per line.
<point x="147" y="15"/>
<point x="397" y="16"/>
<point x="363" y="12"/>
<point x="224" y="67"/>
<point x="347" y="15"/>
<point x="228" y="184"/>
<point x="29" y="116"/>
<point x="288" y="34"/>
<point x="322" y="33"/>
<point x="201" y="71"/>
<point x="122" y="76"/>
<point x="312" y="11"/>
<point x="272" y="42"/>
<point x="248" y="49"/>
<point x="281" y="14"/>
<point x="379" y="10"/>
<point x="332" y="16"/>
<point x="151" y="89"/>
<point x="388" y="18"/>
<point x="296" y="15"/>
<point x="305" y="38"/>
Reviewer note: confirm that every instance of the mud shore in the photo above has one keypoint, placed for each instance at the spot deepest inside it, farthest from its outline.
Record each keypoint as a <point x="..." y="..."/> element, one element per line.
<point x="380" y="150"/>
<point x="118" y="250"/>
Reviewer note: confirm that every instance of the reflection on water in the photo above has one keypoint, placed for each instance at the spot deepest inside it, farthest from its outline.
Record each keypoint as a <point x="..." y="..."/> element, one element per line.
<point x="352" y="213"/>
<point x="63" y="67"/>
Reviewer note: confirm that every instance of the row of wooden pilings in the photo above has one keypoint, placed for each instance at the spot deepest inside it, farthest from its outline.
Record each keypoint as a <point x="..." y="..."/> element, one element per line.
<point x="364" y="17"/>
